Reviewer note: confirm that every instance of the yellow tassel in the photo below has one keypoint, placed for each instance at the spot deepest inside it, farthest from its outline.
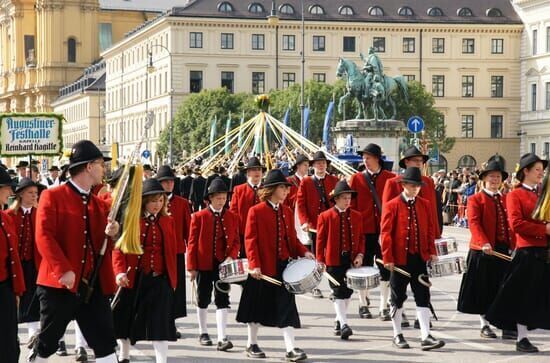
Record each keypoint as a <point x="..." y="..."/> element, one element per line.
<point x="130" y="239"/>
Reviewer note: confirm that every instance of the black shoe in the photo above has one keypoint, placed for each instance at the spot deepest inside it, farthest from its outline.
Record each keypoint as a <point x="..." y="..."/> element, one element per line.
<point x="346" y="332"/>
<point x="405" y="322"/>
<point x="400" y="342"/>
<point x="254" y="351"/>
<point x="317" y="293"/>
<point x="431" y="343"/>
<point x="295" y="355"/>
<point x="81" y="355"/>
<point x="525" y="346"/>
<point x="385" y="315"/>
<point x="509" y="334"/>
<point x="61" y="349"/>
<point x="417" y="324"/>
<point x="204" y="339"/>
<point x="364" y="312"/>
<point x="224" y="345"/>
<point x="124" y="361"/>
<point x="486" y="332"/>
<point x="178" y="335"/>
<point x="337" y="329"/>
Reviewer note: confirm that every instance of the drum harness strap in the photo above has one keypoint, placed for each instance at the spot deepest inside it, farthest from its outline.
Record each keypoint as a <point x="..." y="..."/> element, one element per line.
<point x="320" y="186"/>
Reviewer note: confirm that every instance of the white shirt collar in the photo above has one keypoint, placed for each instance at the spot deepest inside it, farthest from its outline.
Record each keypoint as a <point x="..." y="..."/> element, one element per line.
<point x="26" y="210"/>
<point x="320" y="177"/>
<point x="78" y="187"/>
<point x="373" y="172"/>
<point x="490" y="193"/>
<point x="213" y="210"/>
<point x="275" y="206"/>
<point x="529" y="187"/>
<point x="340" y="210"/>
<point x="299" y="176"/>
<point x="253" y="185"/>
<point x="407" y="199"/>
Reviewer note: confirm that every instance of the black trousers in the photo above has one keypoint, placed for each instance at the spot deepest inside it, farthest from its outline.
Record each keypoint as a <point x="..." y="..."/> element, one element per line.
<point x="9" y="346"/>
<point x="372" y="251"/>
<point x="59" y="306"/>
<point x="398" y="283"/>
<point x="339" y="273"/>
<point x="313" y="238"/>
<point x="206" y="281"/>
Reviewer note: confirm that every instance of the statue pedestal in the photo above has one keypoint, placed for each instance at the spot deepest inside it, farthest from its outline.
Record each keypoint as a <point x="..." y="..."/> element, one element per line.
<point x="389" y="134"/>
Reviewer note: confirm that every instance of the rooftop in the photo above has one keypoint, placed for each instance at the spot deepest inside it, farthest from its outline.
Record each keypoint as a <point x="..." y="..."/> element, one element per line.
<point x="140" y="5"/>
<point x="93" y="79"/>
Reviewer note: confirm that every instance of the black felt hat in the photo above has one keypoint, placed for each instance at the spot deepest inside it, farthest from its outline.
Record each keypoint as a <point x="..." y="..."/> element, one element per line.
<point x="318" y="156"/>
<point x="300" y="159"/>
<point x="152" y="186"/>
<point x="22" y="164"/>
<point x="165" y="172"/>
<point x="147" y="167"/>
<point x="84" y="152"/>
<point x="275" y="177"/>
<point x="371" y="149"/>
<point x="410" y="153"/>
<point x="493" y="165"/>
<point x="342" y="187"/>
<point x="54" y="168"/>
<point x="115" y="176"/>
<point x="529" y="159"/>
<point x="216" y="186"/>
<point x="5" y="178"/>
<point x="25" y="183"/>
<point x="412" y="176"/>
<point x="254" y="163"/>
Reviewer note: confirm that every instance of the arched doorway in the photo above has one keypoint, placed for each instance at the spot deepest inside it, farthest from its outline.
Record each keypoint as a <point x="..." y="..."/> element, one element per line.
<point x="435" y="166"/>
<point x="467" y="161"/>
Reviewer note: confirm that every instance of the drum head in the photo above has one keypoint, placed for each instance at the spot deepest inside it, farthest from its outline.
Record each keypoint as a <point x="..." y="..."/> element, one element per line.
<point x="362" y="271"/>
<point x="297" y="270"/>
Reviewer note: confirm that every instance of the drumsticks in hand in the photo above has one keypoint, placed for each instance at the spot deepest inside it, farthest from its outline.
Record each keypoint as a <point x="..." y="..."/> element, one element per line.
<point x="331" y="279"/>
<point x="270" y="280"/>
<point x="396" y="269"/>
<point x="502" y="256"/>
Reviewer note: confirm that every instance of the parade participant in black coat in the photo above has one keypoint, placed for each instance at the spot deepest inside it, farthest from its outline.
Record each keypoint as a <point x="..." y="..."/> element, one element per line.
<point x="196" y="193"/>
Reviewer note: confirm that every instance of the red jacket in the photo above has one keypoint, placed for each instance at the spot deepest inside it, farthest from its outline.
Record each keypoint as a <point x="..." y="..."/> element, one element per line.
<point x="17" y="218"/>
<point x="241" y="201"/>
<point x="121" y="262"/>
<point x="60" y="236"/>
<point x="291" y="198"/>
<point x="529" y="232"/>
<point x="10" y="264"/>
<point x="393" y="188"/>
<point x="261" y="237"/>
<point x="394" y="230"/>
<point x="179" y="210"/>
<point x="328" y="236"/>
<point x="308" y="199"/>
<point x="482" y="221"/>
<point x="200" y="249"/>
<point x="364" y="202"/>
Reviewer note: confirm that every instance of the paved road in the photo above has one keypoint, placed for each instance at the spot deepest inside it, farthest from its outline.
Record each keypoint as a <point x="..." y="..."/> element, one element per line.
<point x="371" y="340"/>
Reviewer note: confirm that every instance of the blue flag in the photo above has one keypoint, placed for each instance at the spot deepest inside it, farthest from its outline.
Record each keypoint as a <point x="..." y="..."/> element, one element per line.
<point x="286" y="121"/>
<point x="306" y="122"/>
<point x="326" y="126"/>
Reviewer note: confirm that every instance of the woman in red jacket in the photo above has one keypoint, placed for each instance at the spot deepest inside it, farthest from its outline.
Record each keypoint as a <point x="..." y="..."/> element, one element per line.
<point x="490" y="231"/>
<point x="144" y="310"/>
<point x="270" y="240"/>
<point x="523" y="300"/>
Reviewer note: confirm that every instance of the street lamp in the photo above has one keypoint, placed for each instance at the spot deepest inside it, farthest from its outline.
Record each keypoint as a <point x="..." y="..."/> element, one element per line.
<point x="273" y="20"/>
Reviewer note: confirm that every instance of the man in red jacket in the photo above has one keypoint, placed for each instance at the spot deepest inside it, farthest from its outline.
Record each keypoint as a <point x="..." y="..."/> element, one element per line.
<point x="407" y="234"/>
<point x="71" y="225"/>
<point x="369" y="185"/>
<point x="300" y="169"/>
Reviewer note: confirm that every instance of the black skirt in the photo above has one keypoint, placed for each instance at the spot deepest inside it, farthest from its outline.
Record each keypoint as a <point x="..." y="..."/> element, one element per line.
<point x="29" y="305"/>
<point x="9" y="345"/>
<point x="180" y="302"/>
<point x="524" y="296"/>
<point x="268" y="304"/>
<point x="481" y="282"/>
<point x="123" y="313"/>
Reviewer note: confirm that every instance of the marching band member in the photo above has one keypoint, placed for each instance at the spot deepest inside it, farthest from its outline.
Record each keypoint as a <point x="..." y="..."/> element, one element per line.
<point x="313" y="198"/>
<point x="196" y="193"/>
<point x="12" y="282"/>
<point x="300" y="169"/>
<point x="71" y="224"/>
<point x="270" y="241"/>
<point x="490" y="231"/>
<point x="339" y="245"/>
<point x="369" y="185"/>
<point x="213" y="239"/>
<point x="145" y="308"/>
<point x="178" y="208"/>
<point x="522" y="300"/>
<point x="246" y="195"/>
<point x="407" y="234"/>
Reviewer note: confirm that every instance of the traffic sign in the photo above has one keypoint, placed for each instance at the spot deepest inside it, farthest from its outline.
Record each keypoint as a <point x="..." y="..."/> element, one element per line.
<point x="415" y="124"/>
<point x="434" y="154"/>
<point x="146" y="154"/>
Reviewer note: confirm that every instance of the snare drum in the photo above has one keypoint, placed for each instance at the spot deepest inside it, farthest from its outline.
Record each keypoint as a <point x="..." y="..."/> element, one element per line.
<point x="234" y="271"/>
<point x="445" y="246"/>
<point x="363" y="278"/>
<point x="302" y="275"/>
<point x="447" y="266"/>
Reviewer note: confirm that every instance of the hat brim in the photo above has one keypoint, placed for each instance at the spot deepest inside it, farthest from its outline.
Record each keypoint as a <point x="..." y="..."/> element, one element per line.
<point x="314" y="160"/>
<point x="352" y="192"/>
<point x="207" y="196"/>
<point x="153" y="192"/>
<point x="295" y="165"/>
<point x="544" y="164"/>
<point x="288" y="184"/>
<point x="105" y="158"/>
<point x="402" y="161"/>
<point x="166" y="178"/>
<point x="20" y="189"/>
<point x="484" y="173"/>
<point x="247" y="168"/>
<point x="411" y="181"/>
<point x="361" y="152"/>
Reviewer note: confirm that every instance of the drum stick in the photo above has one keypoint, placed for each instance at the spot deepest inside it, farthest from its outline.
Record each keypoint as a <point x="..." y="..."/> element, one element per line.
<point x="313" y="230"/>
<point x="502" y="256"/>
<point x="331" y="278"/>
<point x="118" y="291"/>
<point x="396" y="269"/>
<point x="271" y="280"/>
<point x="194" y="292"/>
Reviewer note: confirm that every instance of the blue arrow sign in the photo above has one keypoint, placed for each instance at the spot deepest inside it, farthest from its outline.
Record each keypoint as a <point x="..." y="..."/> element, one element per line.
<point x="146" y="154"/>
<point x="415" y="124"/>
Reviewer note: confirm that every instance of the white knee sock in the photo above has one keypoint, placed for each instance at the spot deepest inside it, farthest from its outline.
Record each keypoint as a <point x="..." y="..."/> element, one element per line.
<point x="252" y="334"/>
<point x="363" y="295"/>
<point x="124" y="349"/>
<point x="340" y="308"/>
<point x="288" y="335"/>
<point x="347" y="301"/>
<point x="482" y="321"/>
<point x="39" y="359"/>
<point x="161" y="351"/>
<point x="424" y="321"/>
<point x="111" y="358"/>
<point x="80" y="341"/>
<point x="396" y="322"/>
<point x="221" y="323"/>
<point x="201" y="315"/>
<point x="33" y="328"/>
<point x="384" y="294"/>
<point x="522" y="332"/>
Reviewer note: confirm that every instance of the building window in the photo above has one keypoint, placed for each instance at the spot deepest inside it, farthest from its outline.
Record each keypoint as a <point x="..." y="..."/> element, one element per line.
<point x="227" y="40"/>
<point x="497" y="86"/>
<point x="286" y="9"/>
<point x="438" y="86"/>
<point x="409" y="77"/>
<point x="316" y="10"/>
<point x="379" y="44"/>
<point x="547" y="150"/>
<point x="405" y="11"/>
<point x="467" y="12"/>
<point x="289" y="42"/>
<point x="225" y="7"/>
<point x="467" y="86"/>
<point x="258" y="41"/>
<point x="319" y="43"/>
<point x="105" y="36"/>
<point x="467" y="161"/>
<point x="494" y="13"/>
<point x="195" y="40"/>
<point x="468" y="46"/>
<point x="349" y="44"/>
<point x="346" y="10"/>
<point x="496" y="126"/>
<point x="195" y="81"/>
<point x="497" y="46"/>
<point x="71" y="50"/>
<point x="467" y="126"/>
<point x="534" y="97"/>
<point x="288" y="79"/>
<point x="408" y="45"/>
<point x="547" y="103"/>
<point x="535" y="40"/>
<point x="258" y="82"/>
<point x="256" y="8"/>
<point x="228" y="81"/>
<point x="30" y="57"/>
<point x="376" y="11"/>
<point x="438" y="45"/>
<point x="435" y="12"/>
<point x="533" y="148"/>
<point x="320" y="77"/>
